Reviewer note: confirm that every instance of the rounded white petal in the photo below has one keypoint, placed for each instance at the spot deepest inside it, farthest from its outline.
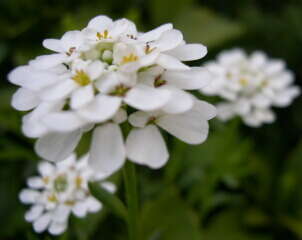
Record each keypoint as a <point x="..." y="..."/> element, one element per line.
<point x="48" y="61"/>
<point x="93" y="205"/>
<point x="53" y="44"/>
<point x="29" y="196"/>
<point x="179" y="102"/>
<point x="46" y="168"/>
<point x="35" y="182"/>
<point x="139" y="119"/>
<point x="107" y="151"/>
<point x="171" y="63"/>
<point x="34" y="213"/>
<point x="155" y="33"/>
<point x="72" y="39"/>
<point x="169" y="40"/>
<point x="188" y="52"/>
<point x="100" y="23"/>
<point x="110" y="187"/>
<point x="66" y="121"/>
<point x="146" y="98"/>
<point x="56" y="228"/>
<point x="191" y="127"/>
<point x="146" y="146"/>
<point x="61" y="214"/>
<point x="80" y="209"/>
<point x="101" y="109"/>
<point x="120" y="116"/>
<point x="24" y="100"/>
<point x="195" y="78"/>
<point x="58" y="91"/>
<point x="81" y="96"/>
<point x="42" y="223"/>
<point x="57" y="146"/>
<point x="95" y="69"/>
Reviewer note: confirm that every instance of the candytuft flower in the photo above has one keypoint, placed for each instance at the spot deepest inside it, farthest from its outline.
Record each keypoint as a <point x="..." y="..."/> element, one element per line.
<point x="250" y="86"/>
<point x="97" y="77"/>
<point x="60" y="190"/>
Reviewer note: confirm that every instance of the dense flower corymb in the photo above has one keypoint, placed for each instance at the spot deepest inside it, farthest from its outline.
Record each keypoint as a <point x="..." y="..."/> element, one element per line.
<point x="250" y="86"/>
<point x="60" y="190"/>
<point x="97" y="76"/>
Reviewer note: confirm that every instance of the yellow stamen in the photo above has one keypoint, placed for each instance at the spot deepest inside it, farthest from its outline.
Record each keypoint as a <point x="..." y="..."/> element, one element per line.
<point x="45" y="180"/>
<point x="81" y="78"/>
<point x="130" y="58"/>
<point x="103" y="35"/>
<point x="148" y="49"/>
<point x="52" y="198"/>
<point x="78" y="181"/>
<point x="243" y="82"/>
<point x="70" y="202"/>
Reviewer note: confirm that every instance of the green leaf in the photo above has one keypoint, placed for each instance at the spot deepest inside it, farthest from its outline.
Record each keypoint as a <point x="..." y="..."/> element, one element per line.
<point x="205" y="26"/>
<point x="168" y="217"/>
<point x="108" y="199"/>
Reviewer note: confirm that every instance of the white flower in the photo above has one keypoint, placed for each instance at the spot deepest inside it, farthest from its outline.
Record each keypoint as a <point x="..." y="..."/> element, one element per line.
<point x="60" y="190"/>
<point x="95" y="78"/>
<point x="250" y="86"/>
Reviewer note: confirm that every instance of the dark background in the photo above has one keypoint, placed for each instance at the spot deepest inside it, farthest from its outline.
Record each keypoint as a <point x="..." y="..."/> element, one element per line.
<point x="242" y="184"/>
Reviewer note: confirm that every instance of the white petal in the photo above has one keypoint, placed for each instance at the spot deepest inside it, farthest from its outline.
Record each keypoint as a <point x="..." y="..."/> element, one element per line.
<point x="107" y="152"/>
<point x="58" y="91"/>
<point x="93" y="205"/>
<point x="57" y="146"/>
<point x="120" y="116"/>
<point x="110" y="187"/>
<point x="123" y="26"/>
<point x="242" y="106"/>
<point x="56" y="228"/>
<point x="24" y="100"/>
<point x="102" y="108"/>
<point x="46" y="168"/>
<point x="155" y="33"/>
<point x="225" y="111"/>
<point x="261" y="101"/>
<point x="34" y="213"/>
<point x="95" y="69"/>
<point x="146" y="98"/>
<point x="190" y="127"/>
<point x="42" y="223"/>
<point x="188" y="52"/>
<point x="29" y="196"/>
<point x="170" y="62"/>
<point x="53" y="44"/>
<point x="139" y="119"/>
<point x="81" y="96"/>
<point x="72" y="39"/>
<point x="146" y="146"/>
<point x="205" y="110"/>
<point x="35" y="182"/>
<point x="80" y="209"/>
<point x="61" y="213"/>
<point x="180" y="101"/>
<point x="100" y="23"/>
<point x="48" y="61"/>
<point x="29" y="78"/>
<point x="195" y="78"/>
<point x="169" y="40"/>
<point x="66" y="121"/>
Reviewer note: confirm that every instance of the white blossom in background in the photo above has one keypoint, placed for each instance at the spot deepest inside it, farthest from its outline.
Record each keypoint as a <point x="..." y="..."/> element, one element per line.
<point x="96" y="77"/>
<point x="250" y="85"/>
<point x="59" y="191"/>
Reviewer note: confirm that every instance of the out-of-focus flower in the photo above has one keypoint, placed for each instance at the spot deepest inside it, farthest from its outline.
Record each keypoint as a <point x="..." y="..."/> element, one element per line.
<point x="250" y="86"/>
<point x="60" y="190"/>
<point x="95" y="78"/>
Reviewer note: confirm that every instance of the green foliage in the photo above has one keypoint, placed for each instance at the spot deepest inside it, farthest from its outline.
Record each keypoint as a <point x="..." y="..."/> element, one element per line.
<point x="241" y="184"/>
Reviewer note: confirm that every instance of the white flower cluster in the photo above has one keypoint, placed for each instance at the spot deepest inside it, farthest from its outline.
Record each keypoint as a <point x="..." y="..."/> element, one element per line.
<point x="62" y="189"/>
<point x="250" y="86"/>
<point x="99" y="75"/>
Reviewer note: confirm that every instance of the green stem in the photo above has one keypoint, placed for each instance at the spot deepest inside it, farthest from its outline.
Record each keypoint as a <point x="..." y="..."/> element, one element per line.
<point x="132" y="199"/>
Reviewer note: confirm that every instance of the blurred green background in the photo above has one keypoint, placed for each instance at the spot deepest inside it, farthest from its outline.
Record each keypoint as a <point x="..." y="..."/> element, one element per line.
<point x="242" y="184"/>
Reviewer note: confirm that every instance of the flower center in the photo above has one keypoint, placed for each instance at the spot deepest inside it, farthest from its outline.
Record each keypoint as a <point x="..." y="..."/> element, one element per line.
<point x="78" y="181"/>
<point x="130" y="58"/>
<point x="158" y="81"/>
<point x="243" y="82"/>
<point x="81" y="78"/>
<point x="120" y="90"/>
<point x="151" y="120"/>
<point x="103" y="35"/>
<point x="52" y="198"/>
<point x="60" y="183"/>
<point x="148" y="49"/>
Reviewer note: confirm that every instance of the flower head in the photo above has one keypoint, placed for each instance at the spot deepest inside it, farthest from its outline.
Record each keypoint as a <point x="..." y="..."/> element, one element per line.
<point x="250" y="86"/>
<point x="60" y="190"/>
<point x="96" y="77"/>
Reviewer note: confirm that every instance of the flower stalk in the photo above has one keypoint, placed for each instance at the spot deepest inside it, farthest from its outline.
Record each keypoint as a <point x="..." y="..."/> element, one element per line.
<point x="132" y="199"/>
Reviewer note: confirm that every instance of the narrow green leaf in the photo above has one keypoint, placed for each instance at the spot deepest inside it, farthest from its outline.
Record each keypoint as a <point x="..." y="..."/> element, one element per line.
<point x="108" y="199"/>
